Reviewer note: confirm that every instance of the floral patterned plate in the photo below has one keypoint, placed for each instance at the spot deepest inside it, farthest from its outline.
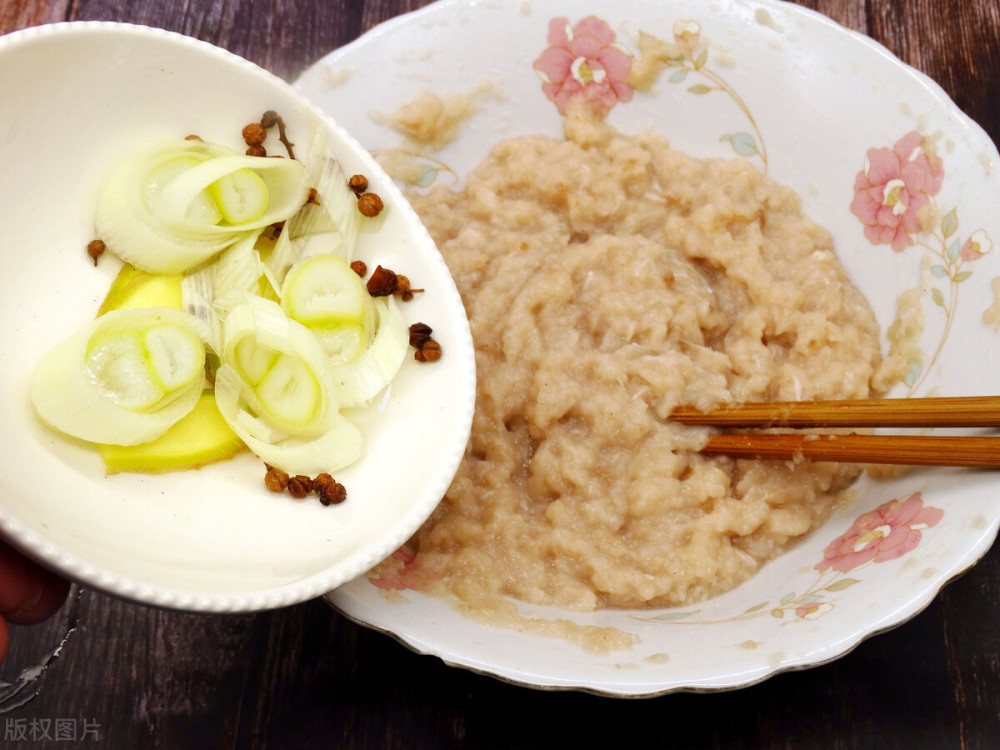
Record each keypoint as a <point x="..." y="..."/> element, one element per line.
<point x="880" y="156"/>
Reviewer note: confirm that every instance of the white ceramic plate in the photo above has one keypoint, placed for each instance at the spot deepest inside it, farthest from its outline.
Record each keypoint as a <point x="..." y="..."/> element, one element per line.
<point x="760" y="77"/>
<point x="77" y="99"/>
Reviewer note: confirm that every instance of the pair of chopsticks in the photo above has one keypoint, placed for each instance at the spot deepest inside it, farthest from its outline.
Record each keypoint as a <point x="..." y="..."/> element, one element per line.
<point x="925" y="450"/>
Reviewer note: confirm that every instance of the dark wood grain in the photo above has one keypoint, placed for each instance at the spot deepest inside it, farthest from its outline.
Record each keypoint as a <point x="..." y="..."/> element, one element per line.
<point x="19" y="15"/>
<point x="305" y="677"/>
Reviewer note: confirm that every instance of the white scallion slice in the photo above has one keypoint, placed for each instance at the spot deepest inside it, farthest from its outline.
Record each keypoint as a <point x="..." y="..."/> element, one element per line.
<point x="341" y="445"/>
<point x="327" y="297"/>
<point x="336" y="206"/>
<point x="157" y="211"/>
<point x="237" y="269"/>
<point x="125" y="378"/>
<point x="358" y="382"/>
<point x="280" y="184"/>
<point x="328" y="225"/>
<point x="275" y="390"/>
<point x="241" y="196"/>
<point x="253" y="362"/>
<point x="285" y="374"/>
<point x="173" y="354"/>
<point x="201" y="209"/>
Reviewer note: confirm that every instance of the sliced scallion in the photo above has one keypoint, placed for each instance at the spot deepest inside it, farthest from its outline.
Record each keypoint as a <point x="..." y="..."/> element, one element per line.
<point x="325" y="295"/>
<point x="123" y="379"/>
<point x="174" y="206"/>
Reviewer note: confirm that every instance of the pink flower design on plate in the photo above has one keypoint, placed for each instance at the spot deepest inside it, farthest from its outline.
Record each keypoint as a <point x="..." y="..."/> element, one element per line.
<point x="813" y="610"/>
<point x="889" y="531"/>
<point x="895" y="184"/>
<point x="583" y="61"/>
<point x="976" y="246"/>
<point x="687" y="34"/>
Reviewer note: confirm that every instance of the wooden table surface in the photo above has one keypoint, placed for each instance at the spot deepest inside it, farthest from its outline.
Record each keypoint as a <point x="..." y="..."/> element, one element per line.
<point x="134" y="677"/>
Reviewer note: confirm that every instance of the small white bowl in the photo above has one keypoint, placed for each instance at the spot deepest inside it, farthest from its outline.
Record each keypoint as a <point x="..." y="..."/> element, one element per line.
<point x="78" y="97"/>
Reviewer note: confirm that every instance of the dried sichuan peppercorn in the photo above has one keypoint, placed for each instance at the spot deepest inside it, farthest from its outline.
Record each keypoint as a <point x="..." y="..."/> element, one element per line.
<point x="254" y="134"/>
<point x="335" y="494"/>
<point x="370" y="205"/>
<point x="322" y="482"/>
<point x="276" y="480"/>
<point x="419" y="333"/>
<point x="430" y="351"/>
<point x="358" y="183"/>
<point x="330" y="491"/>
<point x="300" y="485"/>
<point x="269" y="119"/>
<point x="95" y="249"/>
<point x="382" y="282"/>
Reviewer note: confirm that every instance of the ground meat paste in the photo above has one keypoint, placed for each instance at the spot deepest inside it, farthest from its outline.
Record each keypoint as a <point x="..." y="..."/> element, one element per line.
<point x="609" y="278"/>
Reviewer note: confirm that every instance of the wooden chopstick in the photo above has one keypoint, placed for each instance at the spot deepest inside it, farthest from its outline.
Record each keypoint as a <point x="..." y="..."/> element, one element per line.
<point x="924" y="450"/>
<point x="912" y="450"/>
<point x="965" y="411"/>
